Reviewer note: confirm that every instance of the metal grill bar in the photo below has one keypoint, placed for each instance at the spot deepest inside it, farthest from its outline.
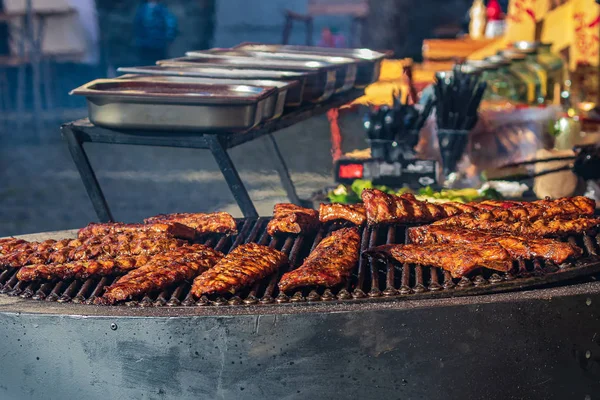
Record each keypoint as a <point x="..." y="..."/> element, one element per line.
<point x="370" y="279"/>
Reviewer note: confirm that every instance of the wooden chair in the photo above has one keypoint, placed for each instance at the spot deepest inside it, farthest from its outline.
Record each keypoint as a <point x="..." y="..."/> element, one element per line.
<point x="357" y="9"/>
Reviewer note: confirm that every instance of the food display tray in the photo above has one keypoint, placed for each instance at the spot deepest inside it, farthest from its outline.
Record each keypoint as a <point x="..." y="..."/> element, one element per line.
<point x="368" y="61"/>
<point x="294" y="88"/>
<point x="160" y="105"/>
<point x="345" y="71"/>
<point x="274" y="105"/>
<point x="320" y="84"/>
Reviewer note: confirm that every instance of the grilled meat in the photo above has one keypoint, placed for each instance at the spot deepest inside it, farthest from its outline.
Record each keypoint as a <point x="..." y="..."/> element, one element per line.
<point x="289" y="218"/>
<point x="111" y="245"/>
<point x="83" y="269"/>
<point x="172" y="228"/>
<point x="219" y="222"/>
<point x="328" y="264"/>
<point x="458" y="259"/>
<point x="386" y="208"/>
<point x="354" y="213"/>
<point x="245" y="265"/>
<point x="9" y="245"/>
<point x="518" y="247"/>
<point x="507" y="223"/>
<point x="162" y="271"/>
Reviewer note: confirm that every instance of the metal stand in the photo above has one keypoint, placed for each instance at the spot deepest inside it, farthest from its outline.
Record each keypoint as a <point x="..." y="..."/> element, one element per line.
<point x="78" y="132"/>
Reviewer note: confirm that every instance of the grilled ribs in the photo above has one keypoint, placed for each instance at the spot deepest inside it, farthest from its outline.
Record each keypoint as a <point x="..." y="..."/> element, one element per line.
<point x="354" y="213"/>
<point x="111" y="245"/>
<point x="289" y="218"/>
<point x="556" y="227"/>
<point x="242" y="267"/>
<point x="83" y="269"/>
<point x="518" y="247"/>
<point x="218" y="222"/>
<point x="385" y="208"/>
<point x="459" y="259"/>
<point x="172" y="228"/>
<point x="162" y="271"/>
<point x="328" y="264"/>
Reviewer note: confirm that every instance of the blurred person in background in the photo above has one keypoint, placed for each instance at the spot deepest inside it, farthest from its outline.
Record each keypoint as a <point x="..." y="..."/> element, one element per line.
<point x="330" y="37"/>
<point x="155" y="28"/>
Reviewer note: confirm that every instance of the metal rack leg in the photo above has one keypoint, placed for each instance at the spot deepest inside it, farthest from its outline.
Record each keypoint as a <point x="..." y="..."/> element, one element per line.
<point x="231" y="176"/>
<point x="87" y="175"/>
<point x="284" y="174"/>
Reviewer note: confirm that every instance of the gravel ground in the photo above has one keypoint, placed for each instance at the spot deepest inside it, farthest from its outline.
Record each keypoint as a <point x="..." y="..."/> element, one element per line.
<point x="40" y="189"/>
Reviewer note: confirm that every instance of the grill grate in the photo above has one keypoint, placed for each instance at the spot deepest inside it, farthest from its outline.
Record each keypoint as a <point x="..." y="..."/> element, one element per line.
<point x="370" y="279"/>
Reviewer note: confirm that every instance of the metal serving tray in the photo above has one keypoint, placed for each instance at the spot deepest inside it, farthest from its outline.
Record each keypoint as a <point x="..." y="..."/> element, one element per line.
<point x="280" y="79"/>
<point x="320" y="84"/>
<point x="369" y="61"/>
<point x="346" y="67"/>
<point x="274" y="104"/>
<point x="155" y="105"/>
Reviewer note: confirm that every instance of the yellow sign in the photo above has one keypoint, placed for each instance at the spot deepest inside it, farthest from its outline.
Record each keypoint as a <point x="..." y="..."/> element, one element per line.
<point x="586" y="24"/>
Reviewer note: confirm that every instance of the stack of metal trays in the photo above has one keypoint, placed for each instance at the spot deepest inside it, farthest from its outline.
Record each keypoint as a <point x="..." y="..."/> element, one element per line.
<point x="368" y="61"/>
<point x="227" y="89"/>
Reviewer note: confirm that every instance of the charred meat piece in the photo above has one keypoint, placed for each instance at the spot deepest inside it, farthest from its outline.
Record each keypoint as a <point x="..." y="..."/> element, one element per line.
<point x="172" y="228"/>
<point x="517" y="246"/>
<point x="458" y="259"/>
<point x="354" y="213"/>
<point x="34" y="252"/>
<point x="328" y="264"/>
<point x="289" y="218"/>
<point x="556" y="227"/>
<point x="9" y="245"/>
<point x="385" y="208"/>
<point x="82" y="269"/>
<point x="242" y="267"/>
<point x="218" y="222"/>
<point x="111" y="245"/>
<point x="163" y="271"/>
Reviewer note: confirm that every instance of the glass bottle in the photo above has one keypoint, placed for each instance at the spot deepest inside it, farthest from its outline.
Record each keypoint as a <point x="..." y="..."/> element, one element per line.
<point x="530" y="49"/>
<point x="518" y="66"/>
<point x="556" y="71"/>
<point x="502" y="82"/>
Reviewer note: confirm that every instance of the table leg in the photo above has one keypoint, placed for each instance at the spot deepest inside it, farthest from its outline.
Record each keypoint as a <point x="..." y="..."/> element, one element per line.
<point x="231" y="176"/>
<point x="282" y="170"/>
<point x="87" y="174"/>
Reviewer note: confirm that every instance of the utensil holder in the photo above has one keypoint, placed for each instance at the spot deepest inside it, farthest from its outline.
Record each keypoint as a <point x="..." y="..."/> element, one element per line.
<point x="453" y="143"/>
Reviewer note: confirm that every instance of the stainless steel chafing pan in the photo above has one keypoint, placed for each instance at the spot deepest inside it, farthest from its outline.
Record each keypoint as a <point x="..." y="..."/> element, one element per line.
<point x="369" y="61"/>
<point x="156" y="105"/>
<point x="274" y="104"/>
<point x="291" y="82"/>
<point x="345" y="71"/>
<point x="320" y="85"/>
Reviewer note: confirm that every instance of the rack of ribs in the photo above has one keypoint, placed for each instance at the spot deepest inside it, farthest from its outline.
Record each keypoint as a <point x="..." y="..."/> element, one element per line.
<point x="242" y="267"/>
<point x="83" y="269"/>
<point x="218" y="222"/>
<point x="111" y="245"/>
<point x="458" y="259"/>
<point x="290" y="218"/>
<point x="386" y="208"/>
<point x="172" y="228"/>
<point x="162" y="271"/>
<point x="354" y="213"/>
<point x="556" y="227"/>
<point x="517" y="246"/>
<point x="329" y="264"/>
